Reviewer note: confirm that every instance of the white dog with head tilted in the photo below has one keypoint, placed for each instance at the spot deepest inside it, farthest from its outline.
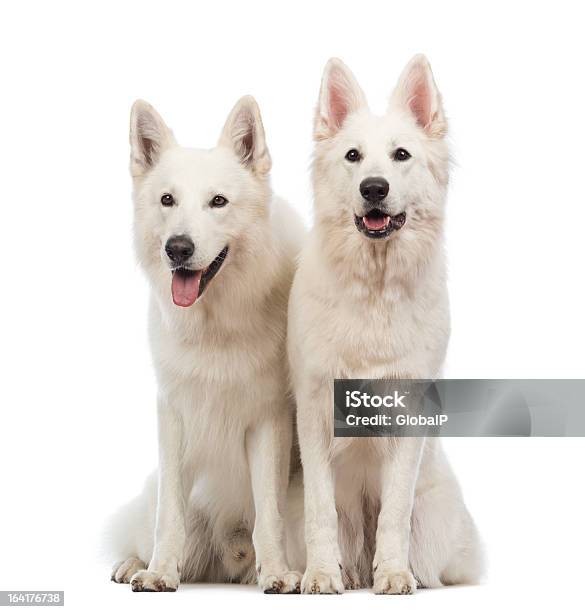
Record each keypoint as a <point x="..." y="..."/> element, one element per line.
<point x="218" y="250"/>
<point x="370" y="301"/>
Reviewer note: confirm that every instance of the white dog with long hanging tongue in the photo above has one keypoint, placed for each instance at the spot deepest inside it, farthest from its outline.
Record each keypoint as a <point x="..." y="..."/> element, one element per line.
<point x="218" y="250"/>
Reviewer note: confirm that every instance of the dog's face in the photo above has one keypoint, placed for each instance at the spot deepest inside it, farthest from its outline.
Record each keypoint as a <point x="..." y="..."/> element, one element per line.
<point x="381" y="176"/>
<point x="193" y="205"/>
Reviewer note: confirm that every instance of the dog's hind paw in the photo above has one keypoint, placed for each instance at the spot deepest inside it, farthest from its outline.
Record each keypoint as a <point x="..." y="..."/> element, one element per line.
<point x="145" y="581"/>
<point x="238" y="553"/>
<point x="123" y="571"/>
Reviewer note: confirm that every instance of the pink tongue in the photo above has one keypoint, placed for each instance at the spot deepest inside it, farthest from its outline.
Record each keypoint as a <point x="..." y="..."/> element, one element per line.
<point x="376" y="223"/>
<point x="185" y="288"/>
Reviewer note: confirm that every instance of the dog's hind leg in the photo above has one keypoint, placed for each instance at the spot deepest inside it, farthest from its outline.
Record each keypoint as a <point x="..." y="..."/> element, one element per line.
<point x="445" y="547"/>
<point x="467" y="563"/>
<point x="129" y="534"/>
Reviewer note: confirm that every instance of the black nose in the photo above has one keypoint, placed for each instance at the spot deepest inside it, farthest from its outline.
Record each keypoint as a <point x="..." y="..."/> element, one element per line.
<point x="374" y="188"/>
<point x="179" y="249"/>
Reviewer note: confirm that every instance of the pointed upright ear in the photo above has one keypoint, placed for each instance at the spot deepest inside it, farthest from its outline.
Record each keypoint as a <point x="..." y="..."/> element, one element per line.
<point x="417" y="92"/>
<point x="340" y="95"/>
<point x="149" y="137"/>
<point x="243" y="133"/>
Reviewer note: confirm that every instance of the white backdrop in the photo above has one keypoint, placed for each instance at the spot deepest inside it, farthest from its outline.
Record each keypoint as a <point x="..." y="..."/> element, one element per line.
<point x="78" y="394"/>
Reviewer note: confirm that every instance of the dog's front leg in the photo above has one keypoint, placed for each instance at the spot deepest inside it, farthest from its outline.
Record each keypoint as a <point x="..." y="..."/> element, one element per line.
<point x="268" y="447"/>
<point x="399" y="473"/>
<point x="169" y="538"/>
<point x="323" y="573"/>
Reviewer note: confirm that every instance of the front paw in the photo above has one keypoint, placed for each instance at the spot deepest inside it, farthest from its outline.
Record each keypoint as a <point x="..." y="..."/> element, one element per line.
<point x="389" y="582"/>
<point x="154" y="581"/>
<point x="319" y="581"/>
<point x="279" y="582"/>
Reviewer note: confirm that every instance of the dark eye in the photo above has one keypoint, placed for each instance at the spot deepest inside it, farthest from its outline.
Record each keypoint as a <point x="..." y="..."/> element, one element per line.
<point x="401" y="155"/>
<point x="218" y="201"/>
<point x="167" y="199"/>
<point x="353" y="155"/>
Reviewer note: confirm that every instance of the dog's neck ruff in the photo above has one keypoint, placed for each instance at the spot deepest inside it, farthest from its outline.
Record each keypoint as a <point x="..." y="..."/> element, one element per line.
<point x="378" y="269"/>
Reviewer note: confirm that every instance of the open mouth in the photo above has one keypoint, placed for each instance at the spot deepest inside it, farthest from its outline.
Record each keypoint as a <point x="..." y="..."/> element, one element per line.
<point x="377" y="224"/>
<point x="188" y="285"/>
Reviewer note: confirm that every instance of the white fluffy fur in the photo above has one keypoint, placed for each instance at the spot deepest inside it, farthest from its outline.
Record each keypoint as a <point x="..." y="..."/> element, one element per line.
<point x="385" y="512"/>
<point x="225" y="422"/>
